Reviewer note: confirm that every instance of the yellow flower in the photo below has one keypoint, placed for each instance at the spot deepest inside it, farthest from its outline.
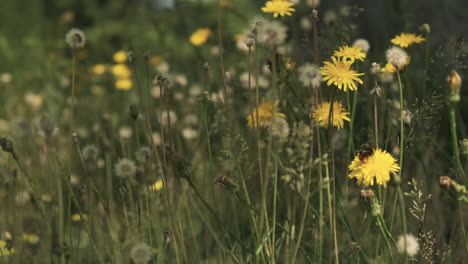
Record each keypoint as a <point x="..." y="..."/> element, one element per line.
<point x="200" y="36"/>
<point x="375" y="168"/>
<point x="350" y="53"/>
<point x="278" y="8"/>
<point x="156" y="186"/>
<point x="388" y="68"/>
<point x="78" y="217"/>
<point x="31" y="238"/>
<point x="407" y="39"/>
<point x="338" y="73"/>
<point x="121" y="71"/>
<point x="98" y="69"/>
<point x="123" y="84"/>
<point x="266" y="111"/>
<point x="120" y="57"/>
<point x="322" y="114"/>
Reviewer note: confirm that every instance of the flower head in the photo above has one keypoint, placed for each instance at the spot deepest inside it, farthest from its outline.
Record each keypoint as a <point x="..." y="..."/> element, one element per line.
<point x="98" y="69"/>
<point x="409" y="244"/>
<point x="265" y="111"/>
<point x="75" y="38"/>
<point x="279" y="128"/>
<point x="375" y="168"/>
<point x="200" y="36"/>
<point x="156" y="186"/>
<point x="273" y="33"/>
<point x="407" y="39"/>
<point x="338" y="73"/>
<point x="123" y="84"/>
<point x="141" y="253"/>
<point x="120" y="57"/>
<point x="278" y="8"/>
<point x="363" y="44"/>
<point x="397" y="57"/>
<point x="388" y="68"/>
<point x="322" y="114"/>
<point x="125" y="168"/>
<point x="309" y="75"/>
<point x="350" y="53"/>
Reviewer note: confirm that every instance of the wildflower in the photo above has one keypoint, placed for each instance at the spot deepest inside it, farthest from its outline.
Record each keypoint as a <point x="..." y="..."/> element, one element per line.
<point x="31" y="238"/>
<point x="322" y="114"/>
<point x="309" y="75"/>
<point x="156" y="186"/>
<point x="409" y="244"/>
<point x="75" y="38"/>
<point x="189" y="133"/>
<point x="125" y="168"/>
<point x="144" y="154"/>
<point x="279" y="128"/>
<point x="90" y="153"/>
<point x="125" y="132"/>
<point x="375" y="168"/>
<point x="265" y="112"/>
<point x="350" y="53"/>
<point x="338" y="73"/>
<point x="34" y="100"/>
<point x="78" y="217"/>
<point x="397" y="57"/>
<point x="273" y="33"/>
<point x="22" y="198"/>
<point x="123" y="84"/>
<point x="6" y="78"/>
<point x="405" y="40"/>
<point x="363" y="44"/>
<point x="425" y="28"/>
<point x="121" y="71"/>
<point x="388" y="68"/>
<point x="141" y="253"/>
<point x="367" y="193"/>
<point x="98" y="69"/>
<point x="454" y="83"/>
<point x="200" y="36"/>
<point x="278" y="8"/>
<point x="168" y="118"/>
<point x="120" y="57"/>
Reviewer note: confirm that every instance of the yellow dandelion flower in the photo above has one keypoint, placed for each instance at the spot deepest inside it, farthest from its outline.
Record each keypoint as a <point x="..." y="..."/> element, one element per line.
<point x="405" y="40"/>
<point x="120" y="56"/>
<point x="157" y="185"/>
<point x="350" y="53"/>
<point x="278" y="8"/>
<point x="266" y="111"/>
<point x="200" y="36"/>
<point x="98" y="69"/>
<point x="123" y="84"/>
<point x="121" y="71"/>
<point x="31" y="238"/>
<point x="322" y="114"/>
<point x="338" y="73"/>
<point x="389" y="68"/>
<point x="375" y="168"/>
<point x="78" y="217"/>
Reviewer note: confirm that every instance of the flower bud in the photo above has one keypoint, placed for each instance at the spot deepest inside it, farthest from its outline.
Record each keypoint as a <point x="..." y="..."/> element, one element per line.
<point x="445" y="182"/>
<point x="454" y="82"/>
<point x="425" y="28"/>
<point x="133" y="112"/>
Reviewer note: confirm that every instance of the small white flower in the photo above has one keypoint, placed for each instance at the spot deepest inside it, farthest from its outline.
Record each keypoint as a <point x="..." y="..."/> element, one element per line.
<point x="396" y="56"/>
<point x="411" y="246"/>
<point x="75" y="38"/>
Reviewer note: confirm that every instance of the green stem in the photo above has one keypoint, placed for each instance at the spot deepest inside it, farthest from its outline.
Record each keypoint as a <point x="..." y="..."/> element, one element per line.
<point x="453" y="130"/>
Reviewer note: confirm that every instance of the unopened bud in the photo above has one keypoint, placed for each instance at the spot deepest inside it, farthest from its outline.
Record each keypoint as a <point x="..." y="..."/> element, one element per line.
<point x="445" y="182"/>
<point x="425" y="28"/>
<point x="133" y="112"/>
<point x="454" y="82"/>
<point x="375" y="68"/>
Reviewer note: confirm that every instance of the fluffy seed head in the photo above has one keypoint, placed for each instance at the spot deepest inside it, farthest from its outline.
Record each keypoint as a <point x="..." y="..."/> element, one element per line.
<point x="411" y="246"/>
<point x="141" y="253"/>
<point x="397" y="57"/>
<point x="75" y="38"/>
<point x="125" y="168"/>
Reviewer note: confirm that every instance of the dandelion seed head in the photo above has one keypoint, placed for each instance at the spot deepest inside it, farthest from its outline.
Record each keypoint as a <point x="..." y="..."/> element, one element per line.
<point x="363" y="44"/>
<point x="411" y="246"/>
<point x="279" y="128"/>
<point x="90" y="153"/>
<point x="310" y="76"/>
<point x="75" y="38"/>
<point x="125" y="168"/>
<point x="141" y="253"/>
<point x="397" y="57"/>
